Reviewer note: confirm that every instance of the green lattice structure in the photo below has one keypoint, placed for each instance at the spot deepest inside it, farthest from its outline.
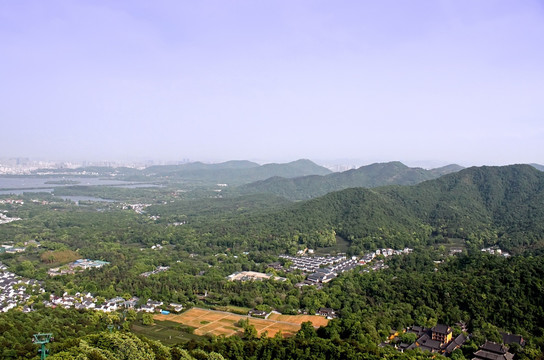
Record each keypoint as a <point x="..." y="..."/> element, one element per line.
<point x="42" y="339"/>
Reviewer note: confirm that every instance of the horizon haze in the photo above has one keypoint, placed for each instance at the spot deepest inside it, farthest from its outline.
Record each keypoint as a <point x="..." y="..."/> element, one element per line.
<point x="424" y="82"/>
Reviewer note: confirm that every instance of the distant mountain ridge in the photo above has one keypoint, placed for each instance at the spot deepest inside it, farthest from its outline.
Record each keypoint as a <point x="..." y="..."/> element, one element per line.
<point x="199" y="166"/>
<point x="235" y="172"/>
<point x="239" y="172"/>
<point x="374" y="175"/>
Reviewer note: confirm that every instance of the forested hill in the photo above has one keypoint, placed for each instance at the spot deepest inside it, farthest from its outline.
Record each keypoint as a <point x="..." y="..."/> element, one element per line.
<point x="482" y="205"/>
<point x="237" y="172"/>
<point x="374" y="175"/>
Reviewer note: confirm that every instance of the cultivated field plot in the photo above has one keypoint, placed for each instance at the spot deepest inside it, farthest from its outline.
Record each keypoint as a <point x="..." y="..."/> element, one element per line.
<point x="222" y="323"/>
<point x="165" y="331"/>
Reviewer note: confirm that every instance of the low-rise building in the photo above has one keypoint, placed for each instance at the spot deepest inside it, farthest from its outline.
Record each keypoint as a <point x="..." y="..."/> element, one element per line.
<point x="441" y="333"/>
<point x="253" y="276"/>
<point x="493" y="351"/>
<point x="257" y="313"/>
<point x="176" y="307"/>
<point x="512" y="339"/>
<point x="327" y="312"/>
<point x="438" y="339"/>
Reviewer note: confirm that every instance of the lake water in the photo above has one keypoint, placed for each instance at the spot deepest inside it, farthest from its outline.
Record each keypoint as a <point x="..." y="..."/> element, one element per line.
<point x="21" y="191"/>
<point x="19" y="185"/>
<point x="39" y="182"/>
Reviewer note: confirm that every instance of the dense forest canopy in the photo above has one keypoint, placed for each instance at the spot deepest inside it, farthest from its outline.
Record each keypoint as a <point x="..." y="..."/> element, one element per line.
<point x="204" y="237"/>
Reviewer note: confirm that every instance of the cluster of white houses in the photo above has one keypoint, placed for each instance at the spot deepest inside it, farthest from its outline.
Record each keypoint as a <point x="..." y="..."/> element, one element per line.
<point x="12" y="201"/>
<point x="252" y="275"/>
<point x="138" y="208"/>
<point x="159" y="269"/>
<point x="308" y="264"/>
<point x="4" y="219"/>
<point x="322" y="269"/>
<point x="89" y="302"/>
<point x="10" y="249"/>
<point x="495" y="250"/>
<point x="16" y="291"/>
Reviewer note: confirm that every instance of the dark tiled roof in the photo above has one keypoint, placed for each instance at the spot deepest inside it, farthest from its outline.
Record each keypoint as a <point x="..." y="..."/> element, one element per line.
<point x="327" y="311"/>
<point x="458" y="341"/>
<point x="488" y="355"/>
<point x="441" y="329"/>
<point x="494" y="347"/>
<point x="416" y="330"/>
<point x="423" y="338"/>
<point x="433" y="345"/>
<point x="512" y="338"/>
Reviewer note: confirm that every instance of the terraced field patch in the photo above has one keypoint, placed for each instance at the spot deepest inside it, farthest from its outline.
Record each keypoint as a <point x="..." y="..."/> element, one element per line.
<point x="223" y="323"/>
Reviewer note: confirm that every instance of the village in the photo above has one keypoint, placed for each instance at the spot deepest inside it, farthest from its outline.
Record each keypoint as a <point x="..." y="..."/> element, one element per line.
<point x="319" y="270"/>
<point x="16" y="291"/>
<point x="4" y="219"/>
<point x="322" y="269"/>
<point x="88" y="301"/>
<point x="441" y="339"/>
<point x="159" y="269"/>
<point x="20" y="294"/>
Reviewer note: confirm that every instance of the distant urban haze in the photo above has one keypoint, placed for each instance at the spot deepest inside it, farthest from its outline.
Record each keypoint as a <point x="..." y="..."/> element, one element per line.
<point x="435" y="82"/>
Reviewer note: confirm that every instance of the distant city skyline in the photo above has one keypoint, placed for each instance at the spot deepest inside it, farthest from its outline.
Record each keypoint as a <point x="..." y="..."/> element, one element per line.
<point x="421" y="82"/>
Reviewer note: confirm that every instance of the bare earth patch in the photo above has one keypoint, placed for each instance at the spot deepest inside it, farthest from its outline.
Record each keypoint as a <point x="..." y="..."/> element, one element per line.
<point x="221" y="323"/>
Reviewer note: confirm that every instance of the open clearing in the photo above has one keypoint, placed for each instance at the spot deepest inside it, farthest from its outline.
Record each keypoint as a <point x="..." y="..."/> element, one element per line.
<point x="299" y="319"/>
<point x="166" y="331"/>
<point x="222" y="323"/>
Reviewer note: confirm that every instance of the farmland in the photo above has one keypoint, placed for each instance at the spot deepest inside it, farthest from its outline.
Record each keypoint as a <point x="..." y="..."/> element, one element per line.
<point x="219" y="323"/>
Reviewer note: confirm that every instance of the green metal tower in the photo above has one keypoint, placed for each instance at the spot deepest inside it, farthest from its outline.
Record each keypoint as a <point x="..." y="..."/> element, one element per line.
<point x="42" y="340"/>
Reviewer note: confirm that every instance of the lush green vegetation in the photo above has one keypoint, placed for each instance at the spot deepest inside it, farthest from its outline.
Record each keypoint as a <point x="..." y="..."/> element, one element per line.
<point x="17" y="328"/>
<point x="484" y="206"/>
<point x="204" y="240"/>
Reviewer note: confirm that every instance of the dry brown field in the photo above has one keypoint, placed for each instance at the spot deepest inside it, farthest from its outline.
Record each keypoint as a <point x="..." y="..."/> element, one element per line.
<point x="222" y="323"/>
<point x="299" y="319"/>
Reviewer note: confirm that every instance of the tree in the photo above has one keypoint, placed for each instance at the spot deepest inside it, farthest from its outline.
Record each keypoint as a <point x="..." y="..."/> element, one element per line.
<point x="408" y="338"/>
<point x="307" y="331"/>
<point x="457" y="355"/>
<point x="147" y="319"/>
<point x="250" y="333"/>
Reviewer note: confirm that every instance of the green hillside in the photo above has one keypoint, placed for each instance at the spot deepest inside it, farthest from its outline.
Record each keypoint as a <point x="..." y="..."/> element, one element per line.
<point x="239" y="172"/>
<point x="482" y="205"/>
<point x="374" y="175"/>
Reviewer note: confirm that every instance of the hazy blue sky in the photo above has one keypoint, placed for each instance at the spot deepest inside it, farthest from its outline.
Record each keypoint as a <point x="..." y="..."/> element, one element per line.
<point x="446" y="80"/>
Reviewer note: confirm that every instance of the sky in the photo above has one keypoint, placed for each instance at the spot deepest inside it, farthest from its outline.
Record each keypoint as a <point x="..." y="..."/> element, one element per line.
<point x="441" y="81"/>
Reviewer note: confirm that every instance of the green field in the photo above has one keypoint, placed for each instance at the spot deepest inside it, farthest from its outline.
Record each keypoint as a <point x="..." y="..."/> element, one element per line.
<point x="168" y="332"/>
